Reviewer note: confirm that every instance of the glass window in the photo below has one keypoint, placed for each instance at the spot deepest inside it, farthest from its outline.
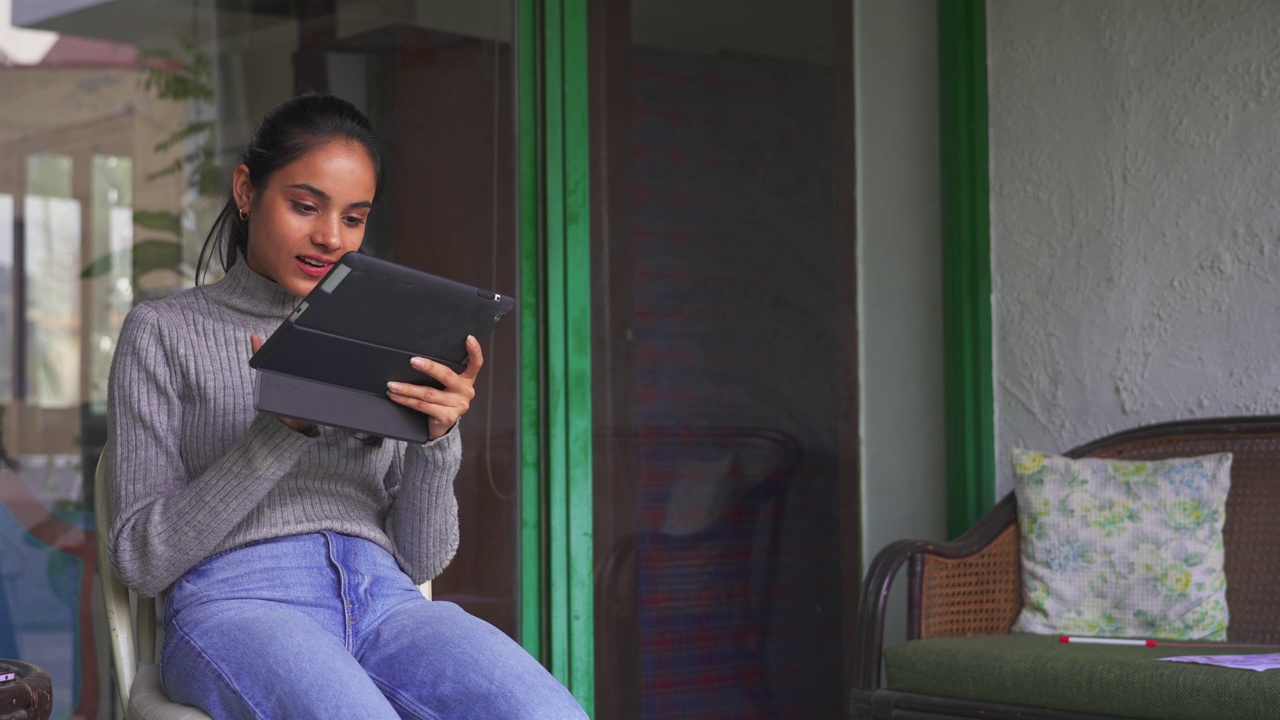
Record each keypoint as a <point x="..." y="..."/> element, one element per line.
<point x="51" y="225"/>
<point x="124" y="122"/>
<point x="722" y="353"/>
<point x="109" y="272"/>
<point x="8" y="286"/>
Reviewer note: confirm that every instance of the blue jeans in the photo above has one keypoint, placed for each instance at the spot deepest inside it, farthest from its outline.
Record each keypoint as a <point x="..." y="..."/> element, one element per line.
<point x="326" y="625"/>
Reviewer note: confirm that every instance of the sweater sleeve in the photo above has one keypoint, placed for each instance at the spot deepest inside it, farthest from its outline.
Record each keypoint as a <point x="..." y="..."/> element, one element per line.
<point x="423" y="521"/>
<point x="165" y="522"/>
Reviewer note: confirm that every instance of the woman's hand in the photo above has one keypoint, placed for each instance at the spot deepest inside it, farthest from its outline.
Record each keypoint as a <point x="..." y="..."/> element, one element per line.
<point x="443" y="406"/>
<point x="306" y="428"/>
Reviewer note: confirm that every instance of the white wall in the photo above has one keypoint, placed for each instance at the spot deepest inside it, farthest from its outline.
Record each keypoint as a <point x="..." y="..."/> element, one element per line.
<point x="899" y="277"/>
<point x="1135" y="165"/>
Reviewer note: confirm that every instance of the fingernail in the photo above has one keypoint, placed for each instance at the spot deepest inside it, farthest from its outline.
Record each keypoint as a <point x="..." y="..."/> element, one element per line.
<point x="471" y="340"/>
<point x="394" y="387"/>
<point x="418" y="362"/>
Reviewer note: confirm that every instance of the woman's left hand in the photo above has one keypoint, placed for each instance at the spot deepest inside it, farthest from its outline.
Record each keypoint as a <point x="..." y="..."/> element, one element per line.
<point x="443" y="406"/>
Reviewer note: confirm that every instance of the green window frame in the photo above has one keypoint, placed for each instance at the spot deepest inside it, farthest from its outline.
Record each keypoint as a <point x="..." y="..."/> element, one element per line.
<point x="557" y="581"/>
<point x="966" y="263"/>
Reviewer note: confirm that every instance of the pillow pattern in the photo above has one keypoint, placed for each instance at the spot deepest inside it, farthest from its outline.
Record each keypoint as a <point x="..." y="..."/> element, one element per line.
<point x="1115" y="548"/>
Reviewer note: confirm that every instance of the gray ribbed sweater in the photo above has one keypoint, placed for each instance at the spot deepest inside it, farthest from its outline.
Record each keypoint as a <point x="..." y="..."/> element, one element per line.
<point x="197" y="471"/>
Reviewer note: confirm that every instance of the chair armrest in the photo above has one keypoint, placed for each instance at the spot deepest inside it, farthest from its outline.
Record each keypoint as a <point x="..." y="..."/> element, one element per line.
<point x="971" y="585"/>
<point x="115" y="595"/>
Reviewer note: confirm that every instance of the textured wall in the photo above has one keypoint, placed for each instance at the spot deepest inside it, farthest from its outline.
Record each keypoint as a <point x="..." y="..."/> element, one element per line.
<point x="1135" y="165"/>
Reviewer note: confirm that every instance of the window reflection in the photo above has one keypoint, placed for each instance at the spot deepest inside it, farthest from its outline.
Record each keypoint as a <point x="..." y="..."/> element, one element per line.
<point x="111" y="293"/>
<point x="51" y="220"/>
<point x="123" y="122"/>
<point x="8" y="338"/>
<point x="720" y="252"/>
<point x="79" y="143"/>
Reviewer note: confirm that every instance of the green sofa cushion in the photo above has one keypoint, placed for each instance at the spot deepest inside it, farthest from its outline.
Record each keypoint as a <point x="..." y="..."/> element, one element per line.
<point x="1122" y="681"/>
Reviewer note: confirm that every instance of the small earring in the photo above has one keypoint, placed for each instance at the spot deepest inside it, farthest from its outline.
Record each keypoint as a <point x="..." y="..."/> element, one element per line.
<point x="244" y="216"/>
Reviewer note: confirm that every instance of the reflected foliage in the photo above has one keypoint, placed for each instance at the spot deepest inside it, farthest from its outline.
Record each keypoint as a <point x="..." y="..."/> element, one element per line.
<point x="184" y="76"/>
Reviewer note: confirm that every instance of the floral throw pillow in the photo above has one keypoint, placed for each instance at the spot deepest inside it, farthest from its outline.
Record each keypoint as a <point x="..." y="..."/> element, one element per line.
<point x="1116" y="548"/>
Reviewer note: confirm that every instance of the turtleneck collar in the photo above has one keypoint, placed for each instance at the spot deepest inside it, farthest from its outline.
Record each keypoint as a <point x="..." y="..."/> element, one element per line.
<point x="246" y="291"/>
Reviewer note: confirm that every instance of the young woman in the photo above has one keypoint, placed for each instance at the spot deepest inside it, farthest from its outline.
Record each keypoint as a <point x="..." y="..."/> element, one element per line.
<point x="291" y="553"/>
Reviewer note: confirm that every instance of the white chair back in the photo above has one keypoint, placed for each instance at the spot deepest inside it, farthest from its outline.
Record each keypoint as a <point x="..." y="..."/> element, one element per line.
<point x="131" y="626"/>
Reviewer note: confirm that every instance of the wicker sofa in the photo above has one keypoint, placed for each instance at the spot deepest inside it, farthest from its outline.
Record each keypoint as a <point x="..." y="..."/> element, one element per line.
<point x="962" y="661"/>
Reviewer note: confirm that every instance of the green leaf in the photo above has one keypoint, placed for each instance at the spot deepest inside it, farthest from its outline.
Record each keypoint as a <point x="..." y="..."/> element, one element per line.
<point x="209" y="181"/>
<point x="171" y="169"/>
<point x="158" y="220"/>
<point x="148" y="255"/>
<point x="99" y="267"/>
<point x="151" y="255"/>
<point x="190" y="131"/>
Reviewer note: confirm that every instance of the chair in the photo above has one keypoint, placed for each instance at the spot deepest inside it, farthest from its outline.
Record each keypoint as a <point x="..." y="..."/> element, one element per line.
<point x="693" y="587"/>
<point x="132" y="626"/>
<point x="964" y="596"/>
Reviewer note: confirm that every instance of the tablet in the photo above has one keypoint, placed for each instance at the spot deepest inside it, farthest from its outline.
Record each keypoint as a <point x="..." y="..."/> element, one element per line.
<point x="330" y="361"/>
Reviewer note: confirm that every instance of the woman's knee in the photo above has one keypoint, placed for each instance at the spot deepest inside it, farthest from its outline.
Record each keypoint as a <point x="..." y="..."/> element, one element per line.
<point x="440" y="662"/>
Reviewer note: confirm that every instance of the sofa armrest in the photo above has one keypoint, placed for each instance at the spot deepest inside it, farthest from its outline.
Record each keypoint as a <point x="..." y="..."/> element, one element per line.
<point x="971" y="585"/>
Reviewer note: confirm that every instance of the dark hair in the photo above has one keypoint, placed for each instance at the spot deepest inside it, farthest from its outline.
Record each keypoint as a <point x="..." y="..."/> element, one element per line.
<point x="292" y="129"/>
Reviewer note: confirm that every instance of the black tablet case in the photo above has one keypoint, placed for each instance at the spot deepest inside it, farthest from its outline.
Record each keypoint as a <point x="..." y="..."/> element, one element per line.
<point x="330" y="361"/>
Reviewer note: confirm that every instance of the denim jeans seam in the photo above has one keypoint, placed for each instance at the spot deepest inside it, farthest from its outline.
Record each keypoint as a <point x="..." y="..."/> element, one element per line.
<point x="401" y="701"/>
<point x="348" y="624"/>
<point x="182" y="635"/>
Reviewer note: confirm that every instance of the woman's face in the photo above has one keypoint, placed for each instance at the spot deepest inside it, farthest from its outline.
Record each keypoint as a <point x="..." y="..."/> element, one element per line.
<point x="308" y="213"/>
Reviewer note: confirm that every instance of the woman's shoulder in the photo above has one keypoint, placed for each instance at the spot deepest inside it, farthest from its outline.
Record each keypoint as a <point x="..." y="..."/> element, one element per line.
<point x="177" y="310"/>
<point x="173" y="301"/>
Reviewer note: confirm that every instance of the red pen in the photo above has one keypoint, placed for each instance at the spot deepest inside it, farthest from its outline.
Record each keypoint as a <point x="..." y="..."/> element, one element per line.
<point x="1107" y="641"/>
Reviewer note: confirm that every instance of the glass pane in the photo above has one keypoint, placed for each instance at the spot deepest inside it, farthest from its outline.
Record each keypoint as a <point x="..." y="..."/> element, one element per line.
<point x="124" y="122"/>
<point x="111" y="286"/>
<point x="52" y="246"/>
<point x="721" y="357"/>
<point x="8" y="325"/>
<point x="63" y="103"/>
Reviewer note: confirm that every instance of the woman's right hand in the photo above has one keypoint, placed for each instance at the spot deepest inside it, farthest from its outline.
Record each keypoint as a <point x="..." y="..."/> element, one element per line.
<point x="302" y="426"/>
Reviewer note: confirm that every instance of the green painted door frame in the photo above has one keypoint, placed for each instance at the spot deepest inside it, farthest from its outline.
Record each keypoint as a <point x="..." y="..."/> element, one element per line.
<point x="557" y="615"/>
<point x="966" y="262"/>
<point x="557" y="581"/>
